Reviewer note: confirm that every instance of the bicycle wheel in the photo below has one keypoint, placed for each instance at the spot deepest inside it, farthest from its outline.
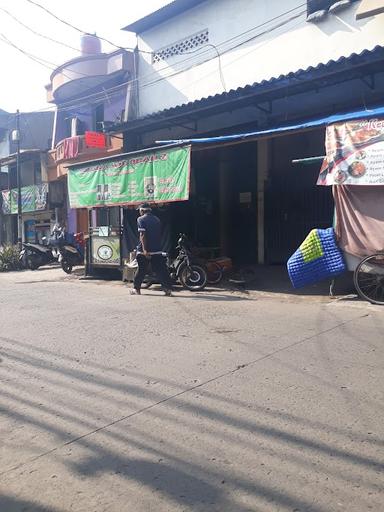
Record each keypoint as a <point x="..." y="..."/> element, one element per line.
<point x="369" y="278"/>
<point x="214" y="272"/>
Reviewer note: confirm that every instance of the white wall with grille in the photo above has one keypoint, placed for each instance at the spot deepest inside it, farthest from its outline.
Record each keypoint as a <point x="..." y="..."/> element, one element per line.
<point x="247" y="41"/>
<point x="185" y="46"/>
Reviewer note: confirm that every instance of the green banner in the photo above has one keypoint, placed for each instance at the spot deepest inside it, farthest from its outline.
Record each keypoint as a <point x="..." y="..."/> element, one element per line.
<point x="160" y="176"/>
<point x="33" y="198"/>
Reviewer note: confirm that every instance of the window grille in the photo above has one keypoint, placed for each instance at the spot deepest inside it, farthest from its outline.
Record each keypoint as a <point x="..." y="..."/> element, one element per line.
<point x="181" y="47"/>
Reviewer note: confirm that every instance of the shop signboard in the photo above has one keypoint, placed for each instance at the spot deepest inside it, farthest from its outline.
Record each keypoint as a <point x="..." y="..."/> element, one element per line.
<point x="33" y="198"/>
<point x="354" y="154"/>
<point x="160" y="176"/>
<point x="94" y="140"/>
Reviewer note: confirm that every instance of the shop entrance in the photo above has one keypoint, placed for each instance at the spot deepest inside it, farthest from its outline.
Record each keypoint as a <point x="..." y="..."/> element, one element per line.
<point x="221" y="215"/>
<point x="294" y="204"/>
<point x="239" y="202"/>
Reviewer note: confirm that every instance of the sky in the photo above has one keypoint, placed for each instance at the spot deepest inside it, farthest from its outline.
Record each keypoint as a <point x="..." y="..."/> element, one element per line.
<point x="23" y="79"/>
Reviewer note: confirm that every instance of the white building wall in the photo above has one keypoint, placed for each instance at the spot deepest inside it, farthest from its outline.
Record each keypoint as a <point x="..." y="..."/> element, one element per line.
<point x="282" y="41"/>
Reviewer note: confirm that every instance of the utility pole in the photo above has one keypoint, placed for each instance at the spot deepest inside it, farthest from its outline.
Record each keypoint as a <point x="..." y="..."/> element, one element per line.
<point x="16" y="138"/>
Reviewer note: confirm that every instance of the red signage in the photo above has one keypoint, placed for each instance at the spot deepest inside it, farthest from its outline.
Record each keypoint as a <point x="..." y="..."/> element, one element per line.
<point x="95" y="140"/>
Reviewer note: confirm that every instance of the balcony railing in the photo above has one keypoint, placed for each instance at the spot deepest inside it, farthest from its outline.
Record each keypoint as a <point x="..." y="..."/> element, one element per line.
<point x="75" y="148"/>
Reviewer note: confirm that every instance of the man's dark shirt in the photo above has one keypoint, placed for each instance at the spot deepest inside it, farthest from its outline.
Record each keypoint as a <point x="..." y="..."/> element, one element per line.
<point x="151" y="226"/>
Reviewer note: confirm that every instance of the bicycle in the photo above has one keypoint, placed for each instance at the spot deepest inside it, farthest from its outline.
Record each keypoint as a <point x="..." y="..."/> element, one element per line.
<point x="368" y="278"/>
<point x="215" y="272"/>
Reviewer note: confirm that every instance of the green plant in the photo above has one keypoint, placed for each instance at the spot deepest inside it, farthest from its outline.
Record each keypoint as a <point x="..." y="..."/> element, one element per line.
<point x="9" y="258"/>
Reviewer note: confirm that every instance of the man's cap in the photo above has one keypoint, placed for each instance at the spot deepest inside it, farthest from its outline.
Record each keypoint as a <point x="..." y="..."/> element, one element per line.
<point x="144" y="206"/>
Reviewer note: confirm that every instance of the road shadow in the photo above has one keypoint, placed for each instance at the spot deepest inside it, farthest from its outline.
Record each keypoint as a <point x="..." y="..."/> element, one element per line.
<point x="274" y="279"/>
<point x="11" y="504"/>
<point x="178" y="469"/>
<point x="198" y="296"/>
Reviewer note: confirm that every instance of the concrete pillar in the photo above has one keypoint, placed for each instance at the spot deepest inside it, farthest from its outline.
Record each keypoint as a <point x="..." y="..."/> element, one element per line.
<point x="71" y="221"/>
<point x="94" y="217"/>
<point x="262" y="174"/>
<point x="224" y="188"/>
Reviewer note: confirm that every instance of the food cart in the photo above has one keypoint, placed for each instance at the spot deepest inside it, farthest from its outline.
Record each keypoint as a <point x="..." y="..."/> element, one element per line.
<point x="157" y="175"/>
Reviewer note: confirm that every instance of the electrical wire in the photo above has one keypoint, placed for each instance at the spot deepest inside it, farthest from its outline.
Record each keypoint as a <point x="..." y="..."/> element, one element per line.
<point x="220" y="66"/>
<point x="38" y="33"/>
<point x="80" y="101"/>
<point x="39" y="60"/>
<point x="79" y="29"/>
<point x="45" y="63"/>
<point x="156" y="72"/>
<point x="232" y="62"/>
<point x="28" y="127"/>
<point x="283" y="23"/>
<point x="100" y="95"/>
<point x="243" y="33"/>
<point x="53" y="66"/>
<point x="205" y="51"/>
<point x="255" y="27"/>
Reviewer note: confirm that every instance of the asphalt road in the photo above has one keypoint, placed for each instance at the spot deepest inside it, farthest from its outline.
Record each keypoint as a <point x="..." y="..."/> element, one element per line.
<point x="217" y="401"/>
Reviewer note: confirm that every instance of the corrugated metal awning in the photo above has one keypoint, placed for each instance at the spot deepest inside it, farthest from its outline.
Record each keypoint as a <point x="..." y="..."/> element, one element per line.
<point x="353" y="66"/>
<point x="311" y="123"/>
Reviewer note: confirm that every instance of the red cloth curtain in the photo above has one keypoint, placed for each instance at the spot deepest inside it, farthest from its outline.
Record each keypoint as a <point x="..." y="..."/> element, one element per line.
<point x="71" y="147"/>
<point x="359" y="218"/>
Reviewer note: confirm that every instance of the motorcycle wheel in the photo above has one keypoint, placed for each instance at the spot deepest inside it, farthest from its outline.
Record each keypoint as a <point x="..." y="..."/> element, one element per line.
<point x="32" y="264"/>
<point x="23" y="260"/>
<point x="66" y="266"/>
<point x="193" y="278"/>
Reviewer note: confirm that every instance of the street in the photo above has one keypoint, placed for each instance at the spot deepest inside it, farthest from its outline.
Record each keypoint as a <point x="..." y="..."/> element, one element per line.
<point x="217" y="401"/>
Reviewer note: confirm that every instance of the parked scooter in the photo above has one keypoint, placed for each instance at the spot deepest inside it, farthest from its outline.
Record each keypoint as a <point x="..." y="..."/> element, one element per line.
<point x="183" y="269"/>
<point x="72" y="254"/>
<point x="33" y="256"/>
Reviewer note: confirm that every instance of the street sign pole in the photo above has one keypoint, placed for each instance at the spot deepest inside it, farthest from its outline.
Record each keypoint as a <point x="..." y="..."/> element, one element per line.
<point x="16" y="138"/>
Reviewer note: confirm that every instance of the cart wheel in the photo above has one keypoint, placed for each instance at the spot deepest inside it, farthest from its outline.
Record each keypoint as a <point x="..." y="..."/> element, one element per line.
<point x="369" y="278"/>
<point x="214" y="272"/>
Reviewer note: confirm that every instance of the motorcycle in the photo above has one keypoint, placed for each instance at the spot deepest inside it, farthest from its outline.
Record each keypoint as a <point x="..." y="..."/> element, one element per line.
<point x="72" y="254"/>
<point x="183" y="269"/>
<point x="33" y="256"/>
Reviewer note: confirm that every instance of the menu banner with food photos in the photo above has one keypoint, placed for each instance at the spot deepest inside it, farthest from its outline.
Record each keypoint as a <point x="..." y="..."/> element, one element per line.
<point x="354" y="154"/>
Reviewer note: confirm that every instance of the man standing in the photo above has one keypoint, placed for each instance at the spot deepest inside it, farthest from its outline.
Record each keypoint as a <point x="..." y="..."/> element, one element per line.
<point x="149" y="251"/>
